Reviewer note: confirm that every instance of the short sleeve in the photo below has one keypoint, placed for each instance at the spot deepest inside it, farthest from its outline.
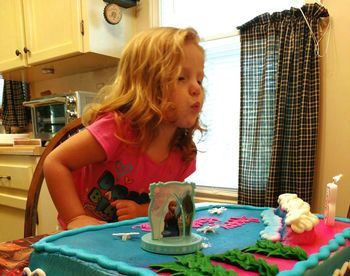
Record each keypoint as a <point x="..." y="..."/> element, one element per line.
<point x="104" y="131"/>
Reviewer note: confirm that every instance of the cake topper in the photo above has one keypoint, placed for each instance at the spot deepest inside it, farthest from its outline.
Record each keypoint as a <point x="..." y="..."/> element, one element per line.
<point x="217" y="210"/>
<point x="208" y="229"/>
<point x="298" y="216"/>
<point x="126" y="236"/>
<point x="171" y="213"/>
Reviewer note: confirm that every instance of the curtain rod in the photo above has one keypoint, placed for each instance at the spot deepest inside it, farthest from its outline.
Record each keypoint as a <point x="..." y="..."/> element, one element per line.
<point x="237" y="32"/>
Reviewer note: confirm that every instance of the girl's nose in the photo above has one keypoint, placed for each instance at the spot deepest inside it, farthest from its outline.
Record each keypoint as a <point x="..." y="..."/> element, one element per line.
<point x="195" y="89"/>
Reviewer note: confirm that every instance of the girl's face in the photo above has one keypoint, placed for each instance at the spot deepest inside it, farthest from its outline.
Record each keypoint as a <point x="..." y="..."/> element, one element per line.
<point x="188" y="95"/>
<point x="172" y="206"/>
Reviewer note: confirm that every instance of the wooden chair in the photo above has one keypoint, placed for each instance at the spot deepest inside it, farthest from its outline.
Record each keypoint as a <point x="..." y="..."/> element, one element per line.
<point x="31" y="212"/>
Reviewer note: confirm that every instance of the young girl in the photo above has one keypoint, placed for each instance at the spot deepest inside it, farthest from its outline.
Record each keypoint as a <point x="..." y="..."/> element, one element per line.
<point x="140" y="132"/>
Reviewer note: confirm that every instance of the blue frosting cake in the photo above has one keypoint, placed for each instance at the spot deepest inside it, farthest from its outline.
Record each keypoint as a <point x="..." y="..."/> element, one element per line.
<point x="94" y="250"/>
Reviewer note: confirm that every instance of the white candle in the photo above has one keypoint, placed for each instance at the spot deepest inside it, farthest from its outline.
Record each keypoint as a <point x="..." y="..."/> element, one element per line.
<point x="331" y="201"/>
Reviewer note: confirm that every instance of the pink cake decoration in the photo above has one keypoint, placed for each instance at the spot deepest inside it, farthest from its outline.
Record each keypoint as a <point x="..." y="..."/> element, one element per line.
<point x="197" y="223"/>
<point x="146" y="227"/>
<point x="232" y="222"/>
<point x="237" y="222"/>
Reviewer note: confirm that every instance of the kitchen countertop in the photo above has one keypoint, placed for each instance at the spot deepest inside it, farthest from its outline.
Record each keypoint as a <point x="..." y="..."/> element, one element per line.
<point x="21" y="150"/>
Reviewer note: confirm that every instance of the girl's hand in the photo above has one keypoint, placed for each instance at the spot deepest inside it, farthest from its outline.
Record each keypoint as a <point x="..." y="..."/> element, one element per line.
<point x="128" y="209"/>
<point x="83" y="220"/>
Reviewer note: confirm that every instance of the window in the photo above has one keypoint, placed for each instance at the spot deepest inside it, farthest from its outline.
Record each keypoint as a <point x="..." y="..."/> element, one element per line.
<point x="216" y="22"/>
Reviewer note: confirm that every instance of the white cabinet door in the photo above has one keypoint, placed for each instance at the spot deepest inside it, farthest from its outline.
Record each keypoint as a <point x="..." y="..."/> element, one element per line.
<point x="12" y="38"/>
<point x="47" y="213"/>
<point x="52" y="29"/>
<point x="66" y="36"/>
<point x="33" y="31"/>
<point x="15" y="176"/>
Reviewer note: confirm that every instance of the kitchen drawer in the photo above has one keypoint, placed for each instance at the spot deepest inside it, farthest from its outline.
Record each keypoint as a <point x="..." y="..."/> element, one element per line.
<point x="16" y="173"/>
<point x="16" y="176"/>
<point x="13" y="198"/>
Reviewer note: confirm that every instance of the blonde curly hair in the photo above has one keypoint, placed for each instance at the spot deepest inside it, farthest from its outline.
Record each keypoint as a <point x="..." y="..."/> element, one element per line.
<point x="147" y="71"/>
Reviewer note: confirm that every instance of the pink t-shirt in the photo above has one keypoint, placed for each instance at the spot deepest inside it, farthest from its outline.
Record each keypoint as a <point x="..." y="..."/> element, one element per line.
<point x="124" y="174"/>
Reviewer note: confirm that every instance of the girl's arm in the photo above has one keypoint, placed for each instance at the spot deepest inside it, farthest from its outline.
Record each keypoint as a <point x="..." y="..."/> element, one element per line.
<point x="79" y="150"/>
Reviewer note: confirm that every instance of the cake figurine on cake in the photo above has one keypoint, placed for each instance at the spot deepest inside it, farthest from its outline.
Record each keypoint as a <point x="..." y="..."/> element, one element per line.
<point x="300" y="222"/>
<point x="171" y="213"/>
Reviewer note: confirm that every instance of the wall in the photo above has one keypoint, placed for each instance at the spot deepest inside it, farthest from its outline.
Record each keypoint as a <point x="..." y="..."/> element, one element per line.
<point x="147" y="16"/>
<point x="89" y="81"/>
<point x="334" y="132"/>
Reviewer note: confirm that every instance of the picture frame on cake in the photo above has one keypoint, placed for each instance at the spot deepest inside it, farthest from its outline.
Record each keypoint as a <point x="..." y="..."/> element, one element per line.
<point x="171" y="213"/>
<point x="171" y="209"/>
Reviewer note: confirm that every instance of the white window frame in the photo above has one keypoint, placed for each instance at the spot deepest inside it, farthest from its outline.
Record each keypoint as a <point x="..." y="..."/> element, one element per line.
<point x="204" y="193"/>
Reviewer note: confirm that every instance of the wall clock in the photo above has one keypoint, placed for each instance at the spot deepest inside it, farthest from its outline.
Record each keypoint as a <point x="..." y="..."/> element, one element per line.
<point x="112" y="13"/>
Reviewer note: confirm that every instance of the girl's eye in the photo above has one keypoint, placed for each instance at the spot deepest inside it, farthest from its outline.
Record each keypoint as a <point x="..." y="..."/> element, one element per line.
<point x="181" y="78"/>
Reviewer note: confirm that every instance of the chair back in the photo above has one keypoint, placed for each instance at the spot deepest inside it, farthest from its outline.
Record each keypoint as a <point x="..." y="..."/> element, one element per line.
<point x="31" y="212"/>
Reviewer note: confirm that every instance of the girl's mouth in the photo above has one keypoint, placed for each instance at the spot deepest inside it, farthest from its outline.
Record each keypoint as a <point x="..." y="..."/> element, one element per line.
<point x="196" y="107"/>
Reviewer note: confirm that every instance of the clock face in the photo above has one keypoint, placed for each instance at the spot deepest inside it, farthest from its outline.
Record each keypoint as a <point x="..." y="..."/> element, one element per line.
<point x="112" y="13"/>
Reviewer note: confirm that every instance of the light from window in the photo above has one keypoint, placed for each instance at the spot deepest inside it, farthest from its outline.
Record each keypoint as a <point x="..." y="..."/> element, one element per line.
<point x="210" y="17"/>
<point x="216" y="22"/>
<point x="217" y="159"/>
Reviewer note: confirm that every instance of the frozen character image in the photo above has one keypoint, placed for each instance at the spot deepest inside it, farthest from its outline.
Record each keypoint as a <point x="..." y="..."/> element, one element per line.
<point x="171" y="209"/>
<point x="170" y="214"/>
<point x="171" y="224"/>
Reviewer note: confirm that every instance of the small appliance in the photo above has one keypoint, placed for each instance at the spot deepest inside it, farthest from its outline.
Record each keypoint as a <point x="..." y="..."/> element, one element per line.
<point x="51" y="113"/>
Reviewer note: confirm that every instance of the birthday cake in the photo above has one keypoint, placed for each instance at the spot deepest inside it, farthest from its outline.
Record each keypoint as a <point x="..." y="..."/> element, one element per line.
<point x="230" y="233"/>
<point x="93" y="250"/>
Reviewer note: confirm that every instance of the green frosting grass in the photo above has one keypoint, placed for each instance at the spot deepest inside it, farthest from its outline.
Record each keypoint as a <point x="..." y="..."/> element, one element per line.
<point x="277" y="249"/>
<point x="199" y="264"/>
<point x="195" y="264"/>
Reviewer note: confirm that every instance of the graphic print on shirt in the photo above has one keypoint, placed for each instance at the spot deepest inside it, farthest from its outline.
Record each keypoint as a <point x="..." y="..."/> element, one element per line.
<point x="110" y="188"/>
<point x="123" y="170"/>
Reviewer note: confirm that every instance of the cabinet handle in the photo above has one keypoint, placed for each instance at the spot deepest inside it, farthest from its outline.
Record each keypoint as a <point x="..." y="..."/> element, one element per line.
<point x="18" y="52"/>
<point x="26" y="50"/>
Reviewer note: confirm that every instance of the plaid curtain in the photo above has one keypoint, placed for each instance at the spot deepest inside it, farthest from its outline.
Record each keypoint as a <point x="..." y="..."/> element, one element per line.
<point x="279" y="105"/>
<point x="14" y="113"/>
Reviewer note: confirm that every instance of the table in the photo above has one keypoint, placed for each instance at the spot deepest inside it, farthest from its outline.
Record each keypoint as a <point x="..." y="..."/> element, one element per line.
<point x="14" y="255"/>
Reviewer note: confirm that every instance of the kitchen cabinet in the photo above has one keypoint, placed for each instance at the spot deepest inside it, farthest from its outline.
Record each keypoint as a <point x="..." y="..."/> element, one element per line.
<point x="15" y="176"/>
<point x="64" y="37"/>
